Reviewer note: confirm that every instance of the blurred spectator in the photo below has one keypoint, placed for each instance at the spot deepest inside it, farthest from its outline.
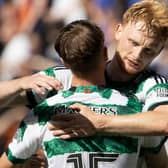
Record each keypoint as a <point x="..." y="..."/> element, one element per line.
<point x="17" y="47"/>
<point x="160" y="64"/>
<point x="1" y="2"/>
<point x="19" y="43"/>
<point x="107" y="14"/>
<point x="66" y="11"/>
<point x="15" y="54"/>
<point x="29" y="13"/>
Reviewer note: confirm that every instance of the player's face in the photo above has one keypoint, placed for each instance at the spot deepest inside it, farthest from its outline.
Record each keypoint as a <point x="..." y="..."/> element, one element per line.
<point x="136" y="48"/>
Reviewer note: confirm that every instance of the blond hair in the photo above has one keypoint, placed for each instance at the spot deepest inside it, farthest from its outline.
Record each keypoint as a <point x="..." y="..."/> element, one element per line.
<point x="153" y="13"/>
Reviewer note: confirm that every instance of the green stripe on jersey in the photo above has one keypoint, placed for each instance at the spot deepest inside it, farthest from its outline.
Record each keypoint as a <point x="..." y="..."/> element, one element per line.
<point x="20" y="131"/>
<point x="49" y="72"/>
<point x="113" y="144"/>
<point x="13" y="159"/>
<point x="104" y="92"/>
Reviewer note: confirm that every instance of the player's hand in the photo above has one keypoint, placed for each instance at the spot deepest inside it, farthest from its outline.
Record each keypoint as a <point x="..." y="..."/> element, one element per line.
<point x="38" y="82"/>
<point x="36" y="161"/>
<point x="80" y="124"/>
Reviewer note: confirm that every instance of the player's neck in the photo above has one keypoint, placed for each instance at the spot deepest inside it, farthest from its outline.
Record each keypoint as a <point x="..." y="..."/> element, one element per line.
<point x="92" y="79"/>
<point x="116" y="73"/>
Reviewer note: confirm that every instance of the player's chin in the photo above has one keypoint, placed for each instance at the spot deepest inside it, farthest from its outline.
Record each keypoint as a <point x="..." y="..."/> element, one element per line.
<point x="133" y="71"/>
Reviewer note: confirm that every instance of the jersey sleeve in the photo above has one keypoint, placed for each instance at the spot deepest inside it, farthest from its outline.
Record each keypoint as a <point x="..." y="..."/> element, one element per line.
<point x="26" y="142"/>
<point x="153" y="144"/>
<point x="155" y="91"/>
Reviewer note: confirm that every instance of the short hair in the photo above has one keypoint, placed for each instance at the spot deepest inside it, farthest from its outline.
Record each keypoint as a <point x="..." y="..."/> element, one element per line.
<point x="80" y="45"/>
<point x="153" y="13"/>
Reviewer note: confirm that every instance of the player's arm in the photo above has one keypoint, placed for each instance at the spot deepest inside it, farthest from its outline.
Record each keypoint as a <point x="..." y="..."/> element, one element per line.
<point x="26" y="142"/>
<point x="154" y="152"/>
<point x="87" y="123"/>
<point x="13" y="91"/>
<point x="5" y="163"/>
<point x="153" y="121"/>
<point x="37" y="161"/>
<point x="157" y="160"/>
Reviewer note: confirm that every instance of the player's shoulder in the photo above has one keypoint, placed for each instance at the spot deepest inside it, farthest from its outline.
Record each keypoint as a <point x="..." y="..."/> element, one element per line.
<point x="57" y="71"/>
<point x="58" y="68"/>
<point x="156" y="78"/>
<point x="150" y="76"/>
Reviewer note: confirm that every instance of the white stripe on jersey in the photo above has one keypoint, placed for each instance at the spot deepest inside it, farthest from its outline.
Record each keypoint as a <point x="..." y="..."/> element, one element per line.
<point x="95" y="98"/>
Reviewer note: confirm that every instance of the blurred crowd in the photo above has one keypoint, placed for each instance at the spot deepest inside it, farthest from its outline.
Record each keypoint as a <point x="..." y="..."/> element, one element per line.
<point x="28" y="28"/>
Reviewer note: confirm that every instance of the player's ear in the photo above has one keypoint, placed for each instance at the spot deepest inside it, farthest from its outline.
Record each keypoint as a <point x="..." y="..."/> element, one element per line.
<point x="118" y="31"/>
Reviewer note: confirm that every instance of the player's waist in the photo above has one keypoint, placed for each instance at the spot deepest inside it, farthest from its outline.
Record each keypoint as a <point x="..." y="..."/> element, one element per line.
<point x="93" y="160"/>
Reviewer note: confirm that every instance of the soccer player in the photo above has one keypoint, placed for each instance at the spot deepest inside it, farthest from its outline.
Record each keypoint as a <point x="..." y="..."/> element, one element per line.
<point x="81" y="46"/>
<point x="141" y="37"/>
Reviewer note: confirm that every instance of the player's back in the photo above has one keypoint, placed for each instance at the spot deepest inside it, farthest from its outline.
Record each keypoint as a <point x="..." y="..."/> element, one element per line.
<point x="90" y="152"/>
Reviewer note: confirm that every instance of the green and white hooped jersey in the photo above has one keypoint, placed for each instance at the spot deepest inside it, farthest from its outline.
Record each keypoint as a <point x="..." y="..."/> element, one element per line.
<point x="150" y="88"/>
<point x="152" y="92"/>
<point x="90" y="152"/>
